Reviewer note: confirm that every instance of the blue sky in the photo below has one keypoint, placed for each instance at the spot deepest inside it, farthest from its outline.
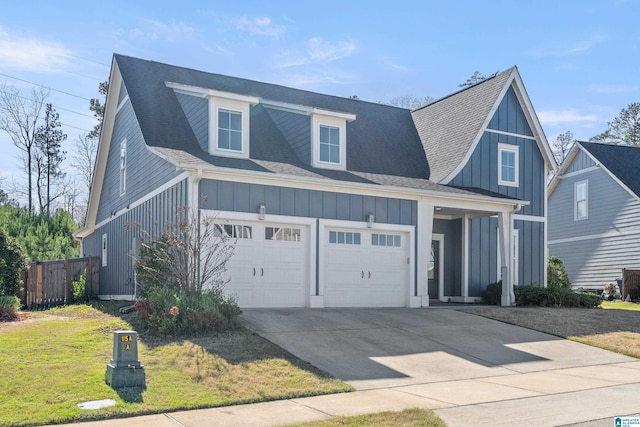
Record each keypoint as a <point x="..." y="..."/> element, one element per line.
<point x="579" y="60"/>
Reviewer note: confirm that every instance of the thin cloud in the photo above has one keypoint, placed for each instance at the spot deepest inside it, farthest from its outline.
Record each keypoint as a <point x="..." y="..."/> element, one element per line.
<point x="579" y="48"/>
<point x="29" y="54"/>
<point x="150" y="29"/>
<point x="260" y="26"/>
<point x="556" y="117"/>
<point x="318" y="51"/>
<point x="612" y="88"/>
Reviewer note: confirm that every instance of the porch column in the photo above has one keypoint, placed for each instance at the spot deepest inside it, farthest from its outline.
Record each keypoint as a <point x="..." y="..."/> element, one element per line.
<point x="423" y="254"/>
<point x="505" y="226"/>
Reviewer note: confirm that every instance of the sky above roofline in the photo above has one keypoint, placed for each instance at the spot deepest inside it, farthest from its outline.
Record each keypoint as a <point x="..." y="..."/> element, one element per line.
<point x="578" y="61"/>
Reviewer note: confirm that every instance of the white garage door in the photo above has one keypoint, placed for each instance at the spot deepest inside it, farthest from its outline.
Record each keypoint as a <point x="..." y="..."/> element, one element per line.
<point x="269" y="266"/>
<point x="365" y="268"/>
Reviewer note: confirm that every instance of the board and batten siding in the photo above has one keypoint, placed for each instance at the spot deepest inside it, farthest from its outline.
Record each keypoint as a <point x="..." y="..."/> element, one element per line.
<point x="145" y="171"/>
<point x="125" y="233"/>
<point x="596" y="249"/>
<point x="579" y="162"/>
<point x="244" y="197"/>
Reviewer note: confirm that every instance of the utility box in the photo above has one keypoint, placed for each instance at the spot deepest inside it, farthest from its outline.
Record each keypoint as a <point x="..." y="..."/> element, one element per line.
<point x="125" y="369"/>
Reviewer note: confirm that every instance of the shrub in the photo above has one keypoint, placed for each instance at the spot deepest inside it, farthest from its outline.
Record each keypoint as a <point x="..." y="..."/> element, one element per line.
<point x="169" y="312"/>
<point x="81" y="291"/>
<point x="12" y="263"/>
<point x="556" y="275"/>
<point x="9" y="305"/>
<point x="492" y="294"/>
<point x="554" y="296"/>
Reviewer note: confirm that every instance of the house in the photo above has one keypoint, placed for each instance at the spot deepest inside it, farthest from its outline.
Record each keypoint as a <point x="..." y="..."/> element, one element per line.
<point x="333" y="201"/>
<point x="594" y="213"/>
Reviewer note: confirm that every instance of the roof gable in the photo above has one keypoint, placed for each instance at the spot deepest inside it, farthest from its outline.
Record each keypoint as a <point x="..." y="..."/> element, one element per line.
<point x="451" y="127"/>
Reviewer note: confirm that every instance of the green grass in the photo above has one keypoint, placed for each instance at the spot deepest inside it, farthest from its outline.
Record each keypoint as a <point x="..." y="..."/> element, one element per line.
<point x="621" y="305"/>
<point x="413" y="417"/>
<point x="57" y="358"/>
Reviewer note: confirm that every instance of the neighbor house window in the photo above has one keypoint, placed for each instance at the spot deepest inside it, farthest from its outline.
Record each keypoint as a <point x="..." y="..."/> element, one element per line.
<point x="581" y="195"/>
<point x="508" y="168"/>
<point x="329" y="144"/>
<point x="229" y="130"/>
<point x="123" y="167"/>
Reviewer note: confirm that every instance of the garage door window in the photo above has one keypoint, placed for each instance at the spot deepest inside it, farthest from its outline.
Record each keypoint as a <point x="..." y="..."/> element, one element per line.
<point x="344" y="237"/>
<point x="282" y="233"/>
<point x="235" y="230"/>
<point x="385" y="240"/>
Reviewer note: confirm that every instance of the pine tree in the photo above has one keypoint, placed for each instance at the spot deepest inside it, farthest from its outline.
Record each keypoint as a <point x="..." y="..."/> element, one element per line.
<point x="50" y="155"/>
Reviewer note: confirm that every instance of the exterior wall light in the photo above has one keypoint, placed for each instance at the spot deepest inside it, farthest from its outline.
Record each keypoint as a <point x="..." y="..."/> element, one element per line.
<point x="370" y="220"/>
<point x="262" y="210"/>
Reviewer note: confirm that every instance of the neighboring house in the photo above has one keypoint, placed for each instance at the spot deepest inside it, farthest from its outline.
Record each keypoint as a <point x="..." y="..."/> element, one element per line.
<point x="594" y="213"/>
<point x="333" y="201"/>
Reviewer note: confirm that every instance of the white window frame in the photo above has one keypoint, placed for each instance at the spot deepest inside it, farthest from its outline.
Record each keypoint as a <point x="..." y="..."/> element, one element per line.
<point x="516" y="152"/>
<point x="104" y="250"/>
<point x="243" y="108"/>
<point x="584" y="182"/>
<point x="123" y="167"/>
<point x="318" y="120"/>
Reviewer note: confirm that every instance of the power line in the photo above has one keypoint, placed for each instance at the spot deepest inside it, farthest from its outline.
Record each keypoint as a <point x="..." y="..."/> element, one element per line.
<point x="56" y="106"/>
<point x="45" y="87"/>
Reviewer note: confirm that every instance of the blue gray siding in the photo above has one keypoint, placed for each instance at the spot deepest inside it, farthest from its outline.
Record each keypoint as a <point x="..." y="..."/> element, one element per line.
<point x="452" y="230"/>
<point x="124" y="234"/>
<point x="579" y="162"/>
<point x="594" y="250"/>
<point x="197" y="111"/>
<point x="242" y="197"/>
<point x="145" y="170"/>
<point x="296" y="129"/>
<point x="509" y="116"/>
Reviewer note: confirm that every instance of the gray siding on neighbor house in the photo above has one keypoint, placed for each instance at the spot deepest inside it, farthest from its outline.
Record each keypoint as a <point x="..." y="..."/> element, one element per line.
<point x="243" y="197"/>
<point x="122" y="94"/>
<point x="296" y="129"/>
<point x="197" y="111"/>
<point x="579" y="162"/>
<point x="483" y="253"/>
<point x="145" y="171"/>
<point x="452" y="230"/>
<point x="594" y="250"/>
<point x="126" y="231"/>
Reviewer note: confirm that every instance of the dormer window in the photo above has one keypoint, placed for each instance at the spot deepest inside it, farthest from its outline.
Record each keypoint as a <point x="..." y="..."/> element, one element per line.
<point x="229" y="130"/>
<point x="330" y="144"/>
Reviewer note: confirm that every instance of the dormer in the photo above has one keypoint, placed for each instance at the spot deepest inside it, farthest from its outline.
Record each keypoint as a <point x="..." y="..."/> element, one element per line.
<point x="328" y="139"/>
<point x="228" y="118"/>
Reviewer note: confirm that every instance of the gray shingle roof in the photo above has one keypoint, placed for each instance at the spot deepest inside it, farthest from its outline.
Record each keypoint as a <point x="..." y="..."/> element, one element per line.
<point x="382" y="139"/>
<point x="449" y="126"/>
<point x="622" y="161"/>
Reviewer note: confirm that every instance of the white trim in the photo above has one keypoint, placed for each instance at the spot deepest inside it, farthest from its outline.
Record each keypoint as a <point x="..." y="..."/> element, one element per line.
<point x="104" y="249"/>
<point x="123" y="167"/>
<point x="465" y="255"/>
<point x="509" y="148"/>
<point x="204" y="93"/>
<point x="323" y="224"/>
<point x="580" y="172"/>
<point x="439" y="237"/>
<point x="243" y="108"/>
<point x="531" y="218"/>
<point x="586" y="200"/>
<point x="306" y="110"/>
<point x="122" y="103"/>
<point x="318" y="121"/>
<point x="517" y="135"/>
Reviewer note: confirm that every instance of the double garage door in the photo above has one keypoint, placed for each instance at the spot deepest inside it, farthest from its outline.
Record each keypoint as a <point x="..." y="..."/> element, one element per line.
<point x="271" y="266"/>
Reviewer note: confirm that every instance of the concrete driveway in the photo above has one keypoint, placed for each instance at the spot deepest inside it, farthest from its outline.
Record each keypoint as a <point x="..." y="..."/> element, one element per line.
<point x="463" y="366"/>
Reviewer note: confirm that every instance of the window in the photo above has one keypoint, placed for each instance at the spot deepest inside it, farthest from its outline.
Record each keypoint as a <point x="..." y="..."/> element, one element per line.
<point x="508" y="170"/>
<point x="104" y="250"/>
<point x="282" y="233"/>
<point x="581" y="194"/>
<point x="229" y="130"/>
<point x="344" y="237"/>
<point x="385" y="240"/>
<point x="329" y="144"/>
<point x="123" y="167"/>
<point x="235" y="231"/>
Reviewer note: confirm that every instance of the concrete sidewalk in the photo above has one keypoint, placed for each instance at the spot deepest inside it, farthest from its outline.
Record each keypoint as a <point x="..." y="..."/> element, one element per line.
<point x="469" y="370"/>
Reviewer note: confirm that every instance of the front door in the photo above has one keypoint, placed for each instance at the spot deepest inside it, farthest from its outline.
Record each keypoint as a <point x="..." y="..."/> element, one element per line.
<point x="434" y="270"/>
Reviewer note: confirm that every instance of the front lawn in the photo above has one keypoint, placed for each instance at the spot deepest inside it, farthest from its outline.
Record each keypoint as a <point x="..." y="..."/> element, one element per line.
<point x="55" y="359"/>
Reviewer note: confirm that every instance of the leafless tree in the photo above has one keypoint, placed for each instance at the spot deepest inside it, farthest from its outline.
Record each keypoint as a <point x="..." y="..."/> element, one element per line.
<point x="410" y="102"/>
<point x="19" y="119"/>
<point x="561" y="146"/>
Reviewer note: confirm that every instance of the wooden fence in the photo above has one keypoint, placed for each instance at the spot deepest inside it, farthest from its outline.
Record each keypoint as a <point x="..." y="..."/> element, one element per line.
<point x="630" y="284"/>
<point x="50" y="282"/>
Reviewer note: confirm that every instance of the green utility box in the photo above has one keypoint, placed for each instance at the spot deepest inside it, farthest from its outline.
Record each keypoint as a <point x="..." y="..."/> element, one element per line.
<point x="125" y="369"/>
